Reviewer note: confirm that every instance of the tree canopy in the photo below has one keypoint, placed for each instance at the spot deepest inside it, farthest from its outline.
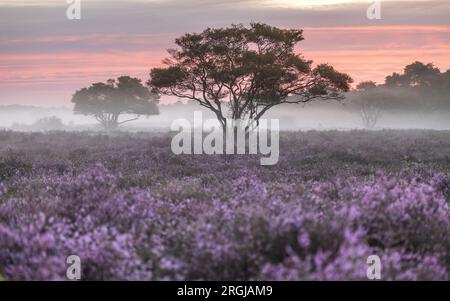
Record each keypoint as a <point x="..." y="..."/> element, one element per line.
<point x="107" y="101"/>
<point x="421" y="87"/>
<point x="241" y="72"/>
<point x="366" y="86"/>
<point x="417" y="74"/>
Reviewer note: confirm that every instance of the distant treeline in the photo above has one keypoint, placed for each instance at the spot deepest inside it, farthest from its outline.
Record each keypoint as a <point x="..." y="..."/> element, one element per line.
<point x="420" y="88"/>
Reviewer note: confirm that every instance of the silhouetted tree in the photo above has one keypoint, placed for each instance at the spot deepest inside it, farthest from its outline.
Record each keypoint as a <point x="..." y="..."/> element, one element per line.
<point x="366" y="86"/>
<point x="368" y="101"/>
<point x="417" y="75"/>
<point x="431" y="87"/>
<point x="241" y="72"/>
<point x="107" y="101"/>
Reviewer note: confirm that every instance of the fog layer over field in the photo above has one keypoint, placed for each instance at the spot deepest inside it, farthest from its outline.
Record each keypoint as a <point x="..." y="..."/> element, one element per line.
<point x="325" y="115"/>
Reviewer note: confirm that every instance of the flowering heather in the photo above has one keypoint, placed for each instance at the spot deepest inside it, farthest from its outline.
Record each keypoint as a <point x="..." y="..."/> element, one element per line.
<point x="134" y="211"/>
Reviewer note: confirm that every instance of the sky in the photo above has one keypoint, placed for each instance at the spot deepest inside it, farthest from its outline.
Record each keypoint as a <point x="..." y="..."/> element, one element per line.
<point x="45" y="57"/>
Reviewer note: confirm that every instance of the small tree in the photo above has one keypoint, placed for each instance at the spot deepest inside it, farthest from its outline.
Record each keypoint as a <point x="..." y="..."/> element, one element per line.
<point x="107" y="101"/>
<point x="368" y="99"/>
<point x="370" y="113"/>
<point x="240" y="72"/>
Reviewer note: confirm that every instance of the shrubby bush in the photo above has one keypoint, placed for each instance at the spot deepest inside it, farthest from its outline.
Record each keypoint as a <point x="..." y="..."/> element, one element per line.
<point x="12" y="165"/>
<point x="51" y="123"/>
<point x="132" y="210"/>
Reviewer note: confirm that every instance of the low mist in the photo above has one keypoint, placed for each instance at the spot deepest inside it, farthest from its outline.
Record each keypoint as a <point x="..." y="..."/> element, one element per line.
<point x="293" y="117"/>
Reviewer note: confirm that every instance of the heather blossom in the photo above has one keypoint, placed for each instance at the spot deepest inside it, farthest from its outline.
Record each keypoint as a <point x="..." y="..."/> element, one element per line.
<point x="132" y="210"/>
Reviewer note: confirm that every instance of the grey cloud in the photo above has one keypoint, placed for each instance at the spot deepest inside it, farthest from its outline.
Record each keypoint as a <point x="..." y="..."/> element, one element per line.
<point x="194" y="15"/>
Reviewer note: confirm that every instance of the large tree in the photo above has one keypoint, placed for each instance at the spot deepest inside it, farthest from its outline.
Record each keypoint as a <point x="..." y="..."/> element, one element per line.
<point x="241" y="72"/>
<point x="107" y="101"/>
<point x="430" y="86"/>
<point x="420" y="88"/>
<point x="417" y="74"/>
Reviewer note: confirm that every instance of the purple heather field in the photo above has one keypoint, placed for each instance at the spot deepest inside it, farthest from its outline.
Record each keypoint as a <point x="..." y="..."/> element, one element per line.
<point x="132" y="210"/>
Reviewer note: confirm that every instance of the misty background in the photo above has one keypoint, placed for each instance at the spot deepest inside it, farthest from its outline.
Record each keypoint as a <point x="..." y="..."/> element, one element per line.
<point x="45" y="58"/>
<point x="312" y="116"/>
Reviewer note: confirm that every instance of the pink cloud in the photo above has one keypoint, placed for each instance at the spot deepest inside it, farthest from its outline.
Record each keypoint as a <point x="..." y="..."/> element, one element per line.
<point x="76" y="61"/>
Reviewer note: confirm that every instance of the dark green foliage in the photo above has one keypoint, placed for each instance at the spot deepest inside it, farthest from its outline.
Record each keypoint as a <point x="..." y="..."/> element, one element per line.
<point x="107" y="101"/>
<point x="241" y="72"/>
